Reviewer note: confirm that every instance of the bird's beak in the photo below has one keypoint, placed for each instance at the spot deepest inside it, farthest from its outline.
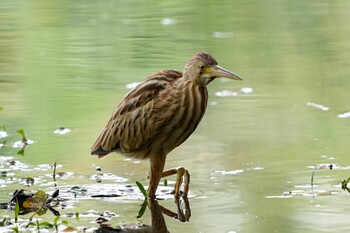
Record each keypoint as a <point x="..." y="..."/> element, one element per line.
<point x="218" y="71"/>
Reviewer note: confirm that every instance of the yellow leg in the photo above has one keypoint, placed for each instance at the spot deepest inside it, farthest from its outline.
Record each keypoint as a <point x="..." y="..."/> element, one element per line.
<point x="182" y="176"/>
<point x="156" y="170"/>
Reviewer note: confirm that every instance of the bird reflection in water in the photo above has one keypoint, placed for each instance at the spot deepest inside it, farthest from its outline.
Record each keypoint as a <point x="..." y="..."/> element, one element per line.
<point x="158" y="225"/>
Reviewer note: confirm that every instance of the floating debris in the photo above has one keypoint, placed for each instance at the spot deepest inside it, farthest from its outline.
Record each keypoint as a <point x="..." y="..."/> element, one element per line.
<point x="324" y="166"/>
<point x="223" y="34"/>
<point x="92" y="214"/>
<point x="235" y="92"/>
<point x="28" y="181"/>
<point x="109" y="176"/>
<point x="18" y="166"/>
<point x="62" y="175"/>
<point x="225" y="93"/>
<point x="318" y="106"/>
<point x="21" y="144"/>
<point x="168" y="21"/>
<point x="344" y="115"/>
<point x="3" y="134"/>
<point x="61" y="131"/>
<point x="232" y="172"/>
<point x="246" y="90"/>
<point x="28" y="201"/>
<point x="46" y="167"/>
<point x="132" y="85"/>
<point x="304" y="193"/>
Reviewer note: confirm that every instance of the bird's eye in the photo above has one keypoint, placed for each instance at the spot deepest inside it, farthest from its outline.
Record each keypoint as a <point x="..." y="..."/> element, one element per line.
<point x="202" y="67"/>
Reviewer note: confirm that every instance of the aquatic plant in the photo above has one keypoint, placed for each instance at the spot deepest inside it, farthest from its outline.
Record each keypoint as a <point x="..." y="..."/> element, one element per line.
<point x="344" y="184"/>
<point x="144" y="203"/>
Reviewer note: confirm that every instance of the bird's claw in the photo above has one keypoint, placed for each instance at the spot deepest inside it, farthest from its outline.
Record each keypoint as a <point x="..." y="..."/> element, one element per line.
<point x="183" y="177"/>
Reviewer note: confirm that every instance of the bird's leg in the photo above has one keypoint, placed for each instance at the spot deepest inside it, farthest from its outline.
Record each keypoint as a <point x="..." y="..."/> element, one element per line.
<point x="182" y="176"/>
<point x="156" y="170"/>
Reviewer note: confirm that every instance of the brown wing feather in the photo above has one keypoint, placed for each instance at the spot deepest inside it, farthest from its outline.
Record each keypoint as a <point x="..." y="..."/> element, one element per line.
<point x="131" y="125"/>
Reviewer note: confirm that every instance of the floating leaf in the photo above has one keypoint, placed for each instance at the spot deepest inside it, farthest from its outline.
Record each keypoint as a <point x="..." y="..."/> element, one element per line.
<point x="40" y="194"/>
<point x="35" y="202"/>
<point x="41" y="211"/>
<point x="142" y="189"/>
<point x="45" y="224"/>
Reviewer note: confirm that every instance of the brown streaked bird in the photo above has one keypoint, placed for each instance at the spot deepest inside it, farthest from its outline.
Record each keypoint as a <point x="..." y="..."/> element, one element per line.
<point x="158" y="115"/>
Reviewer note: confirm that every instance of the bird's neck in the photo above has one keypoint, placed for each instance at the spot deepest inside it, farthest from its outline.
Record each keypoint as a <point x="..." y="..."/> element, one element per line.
<point x="200" y="81"/>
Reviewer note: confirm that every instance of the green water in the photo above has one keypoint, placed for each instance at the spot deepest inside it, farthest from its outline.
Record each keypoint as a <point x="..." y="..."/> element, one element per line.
<point x="67" y="64"/>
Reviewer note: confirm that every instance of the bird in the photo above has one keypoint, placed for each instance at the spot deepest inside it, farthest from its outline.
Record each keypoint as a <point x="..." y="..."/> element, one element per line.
<point x="158" y="115"/>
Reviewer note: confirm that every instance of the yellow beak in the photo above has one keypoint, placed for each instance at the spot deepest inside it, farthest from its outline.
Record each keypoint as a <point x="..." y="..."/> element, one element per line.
<point x="218" y="71"/>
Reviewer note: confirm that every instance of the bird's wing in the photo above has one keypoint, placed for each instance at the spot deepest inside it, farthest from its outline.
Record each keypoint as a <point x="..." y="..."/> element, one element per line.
<point x="132" y="125"/>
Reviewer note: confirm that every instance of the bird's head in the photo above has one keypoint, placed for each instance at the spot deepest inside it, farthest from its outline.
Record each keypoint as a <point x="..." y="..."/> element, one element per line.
<point x="203" y="68"/>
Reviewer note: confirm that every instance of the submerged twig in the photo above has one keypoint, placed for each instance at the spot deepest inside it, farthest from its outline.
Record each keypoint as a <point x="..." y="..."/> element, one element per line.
<point x="54" y="173"/>
<point x="312" y="179"/>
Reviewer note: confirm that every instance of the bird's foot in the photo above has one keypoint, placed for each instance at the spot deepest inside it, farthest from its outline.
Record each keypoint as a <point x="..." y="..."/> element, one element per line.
<point x="183" y="176"/>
